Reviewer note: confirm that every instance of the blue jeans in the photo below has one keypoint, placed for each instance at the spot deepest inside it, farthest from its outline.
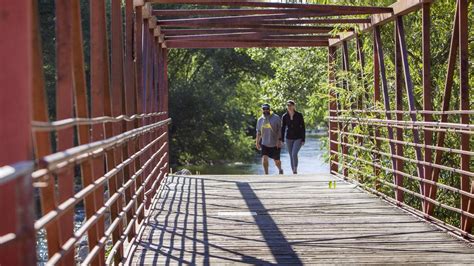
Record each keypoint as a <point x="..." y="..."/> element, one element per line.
<point x="294" y="146"/>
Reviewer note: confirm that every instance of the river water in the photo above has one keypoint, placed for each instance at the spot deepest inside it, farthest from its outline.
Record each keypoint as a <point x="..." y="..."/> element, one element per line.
<point x="310" y="161"/>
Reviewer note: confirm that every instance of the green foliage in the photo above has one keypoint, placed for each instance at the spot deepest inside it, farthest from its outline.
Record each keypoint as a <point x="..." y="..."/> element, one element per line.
<point x="212" y="99"/>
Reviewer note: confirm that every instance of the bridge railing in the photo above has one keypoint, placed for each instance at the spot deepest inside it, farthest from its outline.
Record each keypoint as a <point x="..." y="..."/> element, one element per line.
<point x="420" y="158"/>
<point x="97" y="166"/>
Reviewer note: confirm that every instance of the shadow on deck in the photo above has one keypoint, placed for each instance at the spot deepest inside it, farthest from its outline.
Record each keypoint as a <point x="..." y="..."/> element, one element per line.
<point x="284" y="220"/>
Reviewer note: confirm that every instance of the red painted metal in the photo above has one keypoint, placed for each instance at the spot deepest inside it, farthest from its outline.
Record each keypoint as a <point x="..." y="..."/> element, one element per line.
<point x="399" y="117"/>
<point x="42" y="140"/>
<point x="333" y="146"/>
<point x="345" y="85"/>
<point x="64" y="110"/>
<point x="467" y="203"/>
<point x="349" y="9"/>
<point x="15" y="111"/>
<point x="247" y="44"/>
<point x="385" y="93"/>
<point x="427" y="98"/>
<point x="99" y="81"/>
<point x="448" y="87"/>
<point x="138" y="54"/>
<point x="117" y="108"/>
<point x="376" y="73"/>
<point x="411" y="99"/>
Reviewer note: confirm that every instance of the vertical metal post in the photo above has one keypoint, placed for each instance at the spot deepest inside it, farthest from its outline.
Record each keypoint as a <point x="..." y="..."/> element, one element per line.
<point x="117" y="105"/>
<point x="427" y="98"/>
<point x="448" y="87"/>
<point x="15" y="114"/>
<point x="99" y="86"/>
<point x="386" y="98"/>
<point x="42" y="140"/>
<point x="345" y="84"/>
<point x="333" y="147"/>
<point x="166" y="105"/>
<point x="64" y="110"/>
<point x="467" y="204"/>
<point x="399" y="116"/>
<point x="376" y="157"/>
<point x="411" y="101"/>
<point x="138" y="46"/>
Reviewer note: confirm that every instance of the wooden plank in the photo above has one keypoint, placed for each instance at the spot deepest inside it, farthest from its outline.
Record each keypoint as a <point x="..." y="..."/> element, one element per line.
<point x="352" y="9"/>
<point x="401" y="7"/>
<point x="205" y="220"/>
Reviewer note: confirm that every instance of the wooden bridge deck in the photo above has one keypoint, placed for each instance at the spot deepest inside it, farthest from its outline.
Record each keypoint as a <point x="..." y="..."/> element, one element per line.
<point x="285" y="220"/>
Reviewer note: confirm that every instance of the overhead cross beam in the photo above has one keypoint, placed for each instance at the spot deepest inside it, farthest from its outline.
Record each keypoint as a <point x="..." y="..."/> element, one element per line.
<point x="270" y="30"/>
<point x="256" y="36"/>
<point x="243" y="44"/>
<point x="325" y="8"/>
<point x="399" y="8"/>
<point x="290" y="12"/>
<point x="251" y="19"/>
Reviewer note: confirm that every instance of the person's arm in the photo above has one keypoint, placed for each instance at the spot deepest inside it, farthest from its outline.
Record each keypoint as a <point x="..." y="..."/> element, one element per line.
<point x="283" y="126"/>
<point x="279" y="127"/>
<point x="304" y="129"/>
<point x="259" y="136"/>
<point x="257" y="140"/>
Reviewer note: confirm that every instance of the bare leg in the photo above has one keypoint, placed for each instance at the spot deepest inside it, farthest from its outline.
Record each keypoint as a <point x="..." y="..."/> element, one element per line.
<point x="278" y="165"/>
<point x="265" y="163"/>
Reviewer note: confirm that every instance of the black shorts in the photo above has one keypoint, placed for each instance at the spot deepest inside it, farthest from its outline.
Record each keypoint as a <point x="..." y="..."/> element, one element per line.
<point x="272" y="152"/>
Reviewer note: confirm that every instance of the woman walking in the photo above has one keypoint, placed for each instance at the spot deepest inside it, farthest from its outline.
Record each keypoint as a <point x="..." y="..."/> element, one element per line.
<point x="293" y="132"/>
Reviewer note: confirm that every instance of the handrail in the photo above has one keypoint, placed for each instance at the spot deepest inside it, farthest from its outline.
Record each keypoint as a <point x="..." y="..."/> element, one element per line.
<point x="11" y="172"/>
<point x="58" y="160"/>
<point x="77" y="121"/>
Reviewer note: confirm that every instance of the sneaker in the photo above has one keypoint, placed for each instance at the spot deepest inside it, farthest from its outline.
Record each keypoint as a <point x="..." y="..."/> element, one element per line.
<point x="281" y="171"/>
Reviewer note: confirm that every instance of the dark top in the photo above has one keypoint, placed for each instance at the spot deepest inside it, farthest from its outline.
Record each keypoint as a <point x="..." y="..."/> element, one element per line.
<point x="293" y="128"/>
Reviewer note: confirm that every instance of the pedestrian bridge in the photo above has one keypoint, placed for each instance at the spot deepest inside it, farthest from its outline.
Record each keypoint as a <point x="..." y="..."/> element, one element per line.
<point x="93" y="139"/>
<point x="275" y="220"/>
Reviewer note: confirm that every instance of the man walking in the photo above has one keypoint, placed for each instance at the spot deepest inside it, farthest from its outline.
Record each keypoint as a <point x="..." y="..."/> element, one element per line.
<point x="269" y="137"/>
